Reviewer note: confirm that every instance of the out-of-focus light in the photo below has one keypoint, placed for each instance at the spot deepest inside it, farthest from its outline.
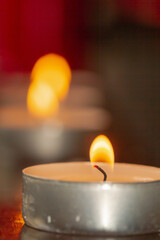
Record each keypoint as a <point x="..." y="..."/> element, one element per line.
<point x="55" y="71"/>
<point x="42" y="101"/>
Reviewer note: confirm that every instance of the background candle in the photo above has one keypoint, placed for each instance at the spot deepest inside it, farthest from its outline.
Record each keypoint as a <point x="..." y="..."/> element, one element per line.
<point x="42" y="139"/>
<point x="26" y="140"/>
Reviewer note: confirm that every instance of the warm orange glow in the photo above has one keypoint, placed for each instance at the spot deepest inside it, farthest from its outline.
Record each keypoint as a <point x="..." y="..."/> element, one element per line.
<point x="41" y="100"/>
<point x="11" y="222"/>
<point x="54" y="70"/>
<point x="101" y="150"/>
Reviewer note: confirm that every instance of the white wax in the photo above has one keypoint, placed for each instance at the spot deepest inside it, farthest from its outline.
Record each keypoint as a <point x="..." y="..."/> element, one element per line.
<point x="85" y="172"/>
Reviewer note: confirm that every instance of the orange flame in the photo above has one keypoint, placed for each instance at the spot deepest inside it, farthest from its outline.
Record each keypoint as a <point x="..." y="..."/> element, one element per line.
<point x="101" y="150"/>
<point x="54" y="70"/>
<point x="42" y="100"/>
<point x="51" y="76"/>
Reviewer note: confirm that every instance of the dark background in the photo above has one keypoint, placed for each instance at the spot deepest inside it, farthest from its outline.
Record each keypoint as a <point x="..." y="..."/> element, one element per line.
<point x="119" y="40"/>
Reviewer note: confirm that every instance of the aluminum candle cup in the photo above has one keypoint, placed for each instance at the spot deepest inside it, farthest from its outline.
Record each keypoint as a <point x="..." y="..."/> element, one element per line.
<point x="71" y="198"/>
<point x="81" y="116"/>
<point x="44" y="142"/>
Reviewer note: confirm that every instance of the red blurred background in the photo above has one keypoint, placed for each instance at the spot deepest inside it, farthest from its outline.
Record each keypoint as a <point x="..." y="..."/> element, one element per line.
<point x="29" y="29"/>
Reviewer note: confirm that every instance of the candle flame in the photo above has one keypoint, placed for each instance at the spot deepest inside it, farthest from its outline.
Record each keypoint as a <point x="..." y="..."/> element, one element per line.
<point x="42" y="100"/>
<point x="53" y="69"/>
<point x="101" y="150"/>
<point x="51" y="76"/>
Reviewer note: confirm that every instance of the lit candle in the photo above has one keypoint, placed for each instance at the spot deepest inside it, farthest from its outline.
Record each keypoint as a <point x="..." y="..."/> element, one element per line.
<point x="34" y="138"/>
<point x="33" y="132"/>
<point x="73" y="198"/>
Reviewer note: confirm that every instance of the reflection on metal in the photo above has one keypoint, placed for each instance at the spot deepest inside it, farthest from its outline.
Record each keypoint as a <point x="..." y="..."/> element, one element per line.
<point x="28" y="233"/>
<point x="11" y="221"/>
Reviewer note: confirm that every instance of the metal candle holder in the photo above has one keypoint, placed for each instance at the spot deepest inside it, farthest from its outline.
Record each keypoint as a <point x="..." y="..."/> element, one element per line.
<point x="100" y="208"/>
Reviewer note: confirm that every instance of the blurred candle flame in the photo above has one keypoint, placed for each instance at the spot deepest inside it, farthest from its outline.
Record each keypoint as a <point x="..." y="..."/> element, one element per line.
<point x="51" y="76"/>
<point x="54" y="70"/>
<point x="41" y="100"/>
<point x="101" y="150"/>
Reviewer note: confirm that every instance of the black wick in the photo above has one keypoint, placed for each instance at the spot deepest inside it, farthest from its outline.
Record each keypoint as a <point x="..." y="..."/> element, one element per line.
<point x="102" y="171"/>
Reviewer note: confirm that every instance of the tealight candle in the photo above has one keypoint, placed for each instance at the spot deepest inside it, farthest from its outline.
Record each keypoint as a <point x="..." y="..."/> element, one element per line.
<point x="43" y="141"/>
<point x="73" y="198"/>
<point x="49" y="126"/>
